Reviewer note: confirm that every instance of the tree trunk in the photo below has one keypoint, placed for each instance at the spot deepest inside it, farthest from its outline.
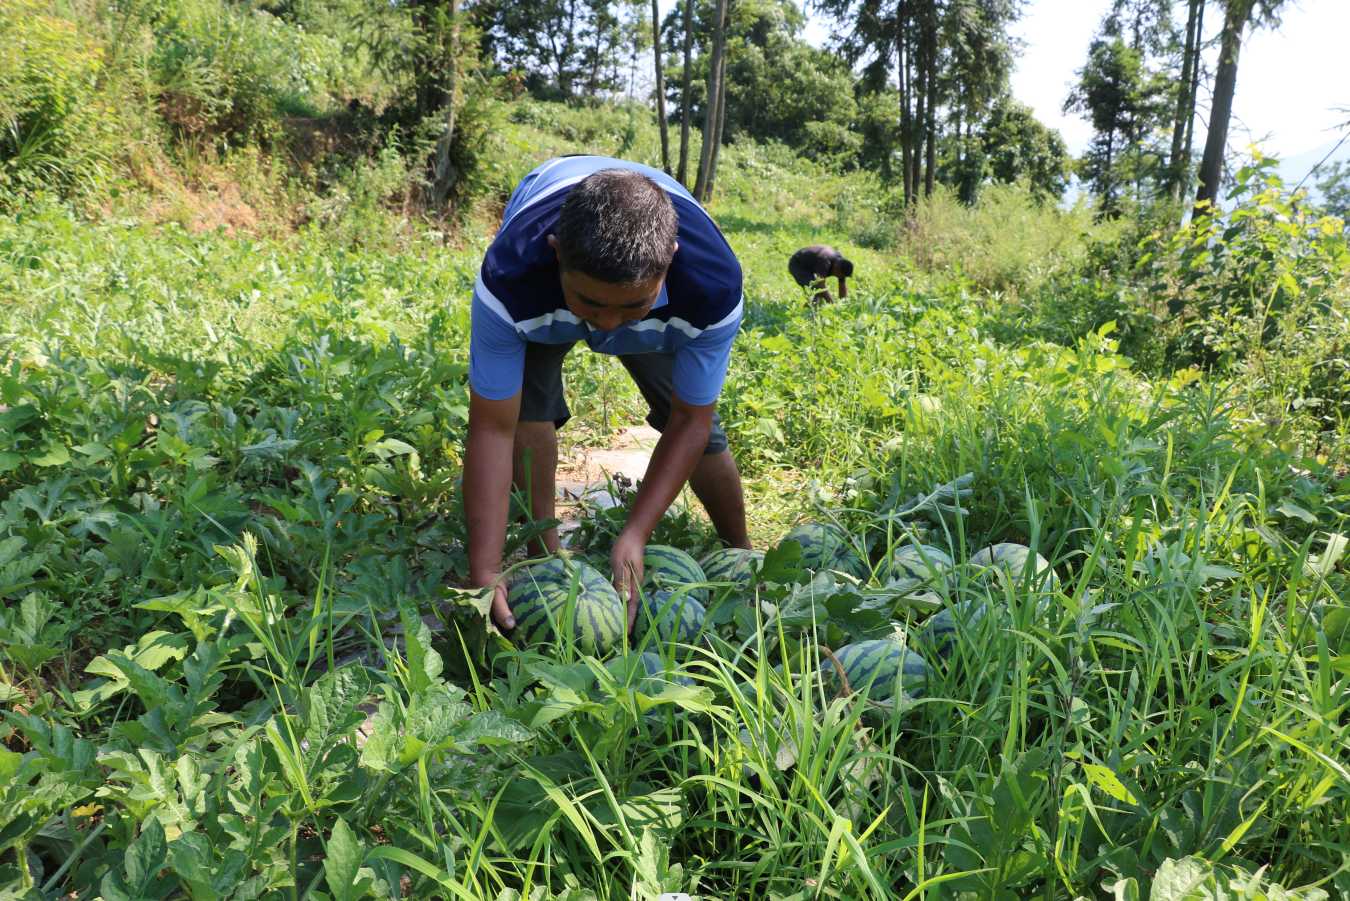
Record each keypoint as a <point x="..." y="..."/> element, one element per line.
<point x="931" y="57"/>
<point x="1185" y="108"/>
<point x="1236" y="14"/>
<point x="930" y="164"/>
<point x="919" y="88"/>
<point x="445" y="175"/>
<point x="902" y="66"/>
<point x="710" y="104"/>
<point x="683" y="176"/>
<point x="721" y="123"/>
<point x="1188" y="142"/>
<point x="660" y="89"/>
<point x="1108" y="176"/>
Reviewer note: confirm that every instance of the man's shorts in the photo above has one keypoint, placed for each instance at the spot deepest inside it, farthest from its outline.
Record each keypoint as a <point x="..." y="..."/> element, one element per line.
<point x="541" y="392"/>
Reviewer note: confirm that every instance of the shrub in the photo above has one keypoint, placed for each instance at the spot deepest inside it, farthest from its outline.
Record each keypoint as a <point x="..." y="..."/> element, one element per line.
<point x="53" y="128"/>
<point x="1260" y="292"/>
<point x="222" y="71"/>
<point x="1008" y="241"/>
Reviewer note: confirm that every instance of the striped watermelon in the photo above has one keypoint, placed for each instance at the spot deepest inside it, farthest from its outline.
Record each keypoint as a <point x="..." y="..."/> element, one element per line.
<point x="939" y="633"/>
<point x="666" y="567"/>
<point x="1011" y="560"/>
<point x="675" y="617"/>
<point x="658" y="671"/>
<point x="645" y="672"/>
<point x="545" y="595"/>
<point x="826" y="546"/>
<point x="875" y="666"/>
<point x="731" y="564"/>
<point x="924" y="562"/>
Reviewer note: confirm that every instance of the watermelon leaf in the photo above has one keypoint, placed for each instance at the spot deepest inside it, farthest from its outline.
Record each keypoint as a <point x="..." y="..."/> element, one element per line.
<point x="783" y="564"/>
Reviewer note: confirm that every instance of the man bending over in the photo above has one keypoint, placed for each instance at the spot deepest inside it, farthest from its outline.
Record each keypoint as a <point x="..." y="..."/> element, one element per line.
<point x="618" y="256"/>
<point x="811" y="266"/>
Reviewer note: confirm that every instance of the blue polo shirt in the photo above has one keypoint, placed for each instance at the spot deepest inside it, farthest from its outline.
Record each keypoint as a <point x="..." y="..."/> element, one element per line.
<point x="518" y="296"/>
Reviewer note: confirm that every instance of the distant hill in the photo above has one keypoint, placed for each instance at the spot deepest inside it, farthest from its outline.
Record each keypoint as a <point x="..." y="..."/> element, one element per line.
<point x="1294" y="168"/>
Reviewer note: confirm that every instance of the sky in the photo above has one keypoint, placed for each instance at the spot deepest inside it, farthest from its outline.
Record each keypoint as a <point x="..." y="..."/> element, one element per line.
<point x="1290" y="79"/>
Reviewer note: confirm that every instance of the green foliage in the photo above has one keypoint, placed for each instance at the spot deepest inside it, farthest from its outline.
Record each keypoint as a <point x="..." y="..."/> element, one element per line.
<point x="1261" y="292"/>
<point x="567" y="49"/>
<point x="233" y="665"/>
<point x="1125" y="102"/>
<point x="1017" y="147"/>
<point x="1007" y="242"/>
<point x="779" y="87"/>
<point x="55" y="127"/>
<point x="227" y="72"/>
<point x="1333" y="186"/>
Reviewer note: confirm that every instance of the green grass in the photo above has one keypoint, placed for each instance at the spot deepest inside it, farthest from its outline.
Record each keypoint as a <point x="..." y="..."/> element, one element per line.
<point x="228" y="496"/>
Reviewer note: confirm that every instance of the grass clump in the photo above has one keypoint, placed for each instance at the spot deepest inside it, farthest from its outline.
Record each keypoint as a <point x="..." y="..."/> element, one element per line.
<point x="58" y="131"/>
<point x="1007" y="243"/>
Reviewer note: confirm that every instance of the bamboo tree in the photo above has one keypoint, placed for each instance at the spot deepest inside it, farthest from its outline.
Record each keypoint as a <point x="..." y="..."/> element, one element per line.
<point x="710" y="106"/>
<point x="904" y="56"/>
<point x="919" y="95"/>
<point x="721" y="123"/>
<point x="685" y="98"/>
<point x="660" y="89"/>
<point x="930" y="126"/>
<point x="1188" y="142"/>
<point x="1235" y="18"/>
<point x="1185" y="106"/>
<point x="445" y="175"/>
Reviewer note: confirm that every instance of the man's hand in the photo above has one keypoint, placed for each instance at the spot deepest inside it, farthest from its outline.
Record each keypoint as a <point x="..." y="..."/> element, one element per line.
<point x="679" y="450"/>
<point x="626" y="561"/>
<point x="501" y="610"/>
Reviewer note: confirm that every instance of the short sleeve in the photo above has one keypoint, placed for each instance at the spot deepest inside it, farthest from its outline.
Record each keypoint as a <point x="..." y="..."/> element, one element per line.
<point x="496" y="351"/>
<point x="701" y="364"/>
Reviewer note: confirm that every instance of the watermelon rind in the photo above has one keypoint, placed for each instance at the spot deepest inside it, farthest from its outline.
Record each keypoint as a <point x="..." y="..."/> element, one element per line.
<point x="826" y="546"/>
<point x="1011" y="560"/>
<point x="666" y="567"/>
<point x="645" y="672"/>
<point x="674" y="616"/>
<point x="874" y="667"/>
<point x="544" y="597"/>
<point x="940" y="632"/>
<point x="929" y="565"/>
<point x="731" y="564"/>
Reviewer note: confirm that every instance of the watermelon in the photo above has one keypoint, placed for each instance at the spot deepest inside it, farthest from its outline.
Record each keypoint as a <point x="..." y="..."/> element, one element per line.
<point x="826" y="546"/>
<point x="675" y="617"/>
<point x="924" y="562"/>
<point x="541" y="594"/>
<point x="666" y="567"/>
<point x="1010" y="560"/>
<point x="939" y="633"/>
<point x="601" y="496"/>
<point x="875" y="666"/>
<point x="645" y="672"/>
<point x="731" y="564"/>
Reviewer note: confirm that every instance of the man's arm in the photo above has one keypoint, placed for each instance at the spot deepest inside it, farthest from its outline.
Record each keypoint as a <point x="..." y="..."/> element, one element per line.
<point x="677" y="453"/>
<point x="487" y="492"/>
<point x="496" y="364"/>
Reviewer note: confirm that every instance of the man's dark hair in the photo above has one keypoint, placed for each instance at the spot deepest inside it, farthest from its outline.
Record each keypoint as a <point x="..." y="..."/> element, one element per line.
<point x="846" y="267"/>
<point x="617" y="226"/>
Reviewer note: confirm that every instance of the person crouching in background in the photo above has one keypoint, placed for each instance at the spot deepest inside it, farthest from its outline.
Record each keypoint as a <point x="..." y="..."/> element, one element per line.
<point x="811" y="266"/>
